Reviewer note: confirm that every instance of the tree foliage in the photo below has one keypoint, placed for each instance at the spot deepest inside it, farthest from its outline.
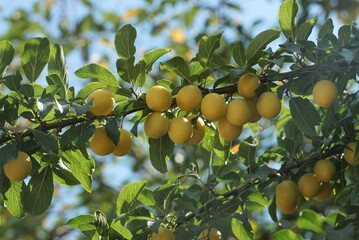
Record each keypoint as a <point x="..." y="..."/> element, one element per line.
<point x="229" y="185"/>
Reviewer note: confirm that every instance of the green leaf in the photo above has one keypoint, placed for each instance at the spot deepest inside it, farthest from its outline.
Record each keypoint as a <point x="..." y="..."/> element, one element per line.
<point x="54" y="80"/>
<point x="7" y="152"/>
<point x="80" y="220"/>
<point x="304" y="115"/>
<point x="128" y="195"/>
<point x="89" y="88"/>
<point x="38" y="193"/>
<point x="125" y="41"/>
<point x="98" y="72"/>
<point x="151" y="57"/>
<point x="326" y="28"/>
<point x="46" y="140"/>
<point x="305" y="29"/>
<point x="140" y="70"/>
<point x="6" y="55"/>
<point x="177" y="65"/>
<point x="195" y="69"/>
<point x="126" y="69"/>
<point x="287" y="14"/>
<point x="13" y="82"/>
<point x="302" y="85"/>
<point x="81" y="167"/>
<point x="147" y="197"/>
<point x="285" y="234"/>
<point x="112" y="131"/>
<point x="207" y="46"/>
<point x="238" y="230"/>
<point x="272" y="209"/>
<point x="27" y="90"/>
<point x="310" y="220"/>
<point x="35" y="57"/>
<point x="160" y="151"/>
<point x="44" y="105"/>
<point x="13" y="199"/>
<point x="259" y="43"/>
<point x="162" y="195"/>
<point x="344" y="34"/>
<point x="256" y="202"/>
<point x="247" y="152"/>
<point x="124" y="232"/>
<point x="57" y="64"/>
<point x="64" y="176"/>
<point x="348" y="55"/>
<point x="347" y="232"/>
<point x="239" y="54"/>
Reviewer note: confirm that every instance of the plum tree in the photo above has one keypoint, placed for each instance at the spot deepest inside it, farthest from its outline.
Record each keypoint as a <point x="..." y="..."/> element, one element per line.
<point x="268" y="105"/>
<point x="180" y="130"/>
<point x="227" y="130"/>
<point x="325" y="192"/>
<point x="158" y="98"/>
<point x="19" y="168"/>
<point x="124" y="144"/>
<point x="255" y="116"/>
<point x="324" y="170"/>
<point x="287" y="193"/>
<point x="238" y="112"/>
<point x="188" y="117"/>
<point x="199" y="129"/>
<point x="247" y="85"/>
<point x="156" y="125"/>
<point x="189" y="98"/>
<point x="325" y="93"/>
<point x="210" y="233"/>
<point x="309" y="186"/>
<point x="100" y="143"/>
<point x="213" y="106"/>
<point x="103" y="102"/>
<point x="163" y="234"/>
<point x="349" y="154"/>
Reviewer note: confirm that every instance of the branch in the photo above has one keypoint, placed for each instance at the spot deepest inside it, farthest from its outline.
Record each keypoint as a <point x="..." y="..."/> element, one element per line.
<point x="313" y="68"/>
<point x="279" y="173"/>
<point x="230" y="89"/>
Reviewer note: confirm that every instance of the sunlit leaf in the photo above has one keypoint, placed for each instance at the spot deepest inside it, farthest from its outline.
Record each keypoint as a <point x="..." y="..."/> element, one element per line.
<point x="128" y="195"/>
<point x="13" y="200"/>
<point x="285" y="234"/>
<point x="310" y="220"/>
<point x="35" y="57"/>
<point x="238" y="230"/>
<point x="305" y="29"/>
<point x="177" y="65"/>
<point x="81" y="167"/>
<point x="80" y="220"/>
<point x="120" y="229"/>
<point x="239" y="54"/>
<point x="150" y="57"/>
<point x="258" y="43"/>
<point x="6" y="55"/>
<point x="97" y="72"/>
<point x="287" y="13"/>
<point x="57" y="64"/>
<point x="207" y="46"/>
<point x="125" y="41"/>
